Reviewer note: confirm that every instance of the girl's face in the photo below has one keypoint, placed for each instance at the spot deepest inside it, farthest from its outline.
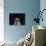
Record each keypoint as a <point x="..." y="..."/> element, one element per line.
<point x="17" y="20"/>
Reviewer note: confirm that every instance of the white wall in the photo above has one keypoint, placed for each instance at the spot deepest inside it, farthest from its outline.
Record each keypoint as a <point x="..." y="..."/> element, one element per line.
<point x="43" y="6"/>
<point x="1" y="21"/>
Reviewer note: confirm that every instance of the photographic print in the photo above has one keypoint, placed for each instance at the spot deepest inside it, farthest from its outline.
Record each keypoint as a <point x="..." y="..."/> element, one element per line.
<point x="16" y="18"/>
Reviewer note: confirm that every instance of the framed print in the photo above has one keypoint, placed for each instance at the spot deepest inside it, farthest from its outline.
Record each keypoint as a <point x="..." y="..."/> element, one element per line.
<point x="16" y="18"/>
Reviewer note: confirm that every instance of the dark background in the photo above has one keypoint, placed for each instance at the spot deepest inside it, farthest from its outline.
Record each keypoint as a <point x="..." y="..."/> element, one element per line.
<point x="12" y="17"/>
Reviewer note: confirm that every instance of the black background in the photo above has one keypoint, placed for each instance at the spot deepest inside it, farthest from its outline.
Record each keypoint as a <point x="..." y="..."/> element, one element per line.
<point x="12" y="17"/>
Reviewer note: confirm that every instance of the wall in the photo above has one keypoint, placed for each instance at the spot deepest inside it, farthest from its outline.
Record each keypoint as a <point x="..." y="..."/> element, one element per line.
<point x="43" y="6"/>
<point x="29" y="7"/>
<point x="1" y="21"/>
